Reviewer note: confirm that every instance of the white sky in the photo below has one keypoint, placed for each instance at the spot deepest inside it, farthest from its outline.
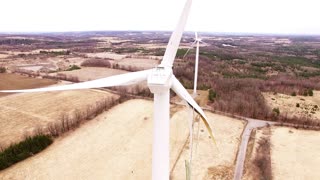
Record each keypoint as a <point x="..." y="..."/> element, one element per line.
<point x="251" y="16"/>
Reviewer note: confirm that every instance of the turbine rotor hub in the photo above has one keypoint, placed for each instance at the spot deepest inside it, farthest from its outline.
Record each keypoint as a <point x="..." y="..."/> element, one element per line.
<point x="159" y="79"/>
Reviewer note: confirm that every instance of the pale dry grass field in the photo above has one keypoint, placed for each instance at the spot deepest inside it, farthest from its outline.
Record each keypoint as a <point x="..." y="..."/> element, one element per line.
<point x="295" y="154"/>
<point x="143" y="56"/>
<point x="15" y="81"/>
<point x="308" y="105"/>
<point x="91" y="73"/>
<point x="22" y="114"/>
<point x="31" y="67"/>
<point x="152" y="46"/>
<point x="201" y="98"/>
<point x="111" y="39"/>
<point x="106" y="55"/>
<point x="64" y="63"/>
<point x="9" y="62"/>
<point x="75" y="60"/>
<point x="118" y="145"/>
<point x="33" y="64"/>
<point x="3" y="56"/>
<point x="19" y="37"/>
<point x="210" y="161"/>
<point x="115" y="145"/>
<point x="160" y="46"/>
<point x="139" y="63"/>
<point x="105" y="38"/>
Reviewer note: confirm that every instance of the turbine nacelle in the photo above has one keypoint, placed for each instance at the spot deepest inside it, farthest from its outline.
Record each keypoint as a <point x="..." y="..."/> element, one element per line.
<point x="198" y="40"/>
<point x="160" y="79"/>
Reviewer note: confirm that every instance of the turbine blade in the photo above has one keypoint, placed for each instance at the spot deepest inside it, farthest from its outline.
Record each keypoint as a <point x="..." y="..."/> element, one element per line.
<point x="175" y="38"/>
<point x="204" y="43"/>
<point x="118" y="80"/>
<point x="183" y="94"/>
<point x="191" y="47"/>
<point x="196" y="34"/>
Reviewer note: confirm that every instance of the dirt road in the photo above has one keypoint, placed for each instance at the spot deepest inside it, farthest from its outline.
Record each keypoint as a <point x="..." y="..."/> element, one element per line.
<point x="252" y="124"/>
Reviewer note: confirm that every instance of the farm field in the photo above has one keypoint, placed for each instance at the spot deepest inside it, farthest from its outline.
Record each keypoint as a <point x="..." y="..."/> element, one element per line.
<point x="201" y="98"/>
<point x="106" y="55"/>
<point x="14" y="81"/>
<point x="298" y="148"/>
<point x="2" y="56"/>
<point x="23" y="114"/>
<point x="118" y="145"/>
<point x="291" y="154"/>
<point x="159" y="46"/>
<point x="309" y="106"/>
<point x="138" y="63"/>
<point x="210" y="161"/>
<point x="91" y="73"/>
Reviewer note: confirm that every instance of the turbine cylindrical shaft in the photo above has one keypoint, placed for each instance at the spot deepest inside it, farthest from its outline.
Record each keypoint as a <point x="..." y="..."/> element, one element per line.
<point x="196" y="70"/>
<point x="161" y="136"/>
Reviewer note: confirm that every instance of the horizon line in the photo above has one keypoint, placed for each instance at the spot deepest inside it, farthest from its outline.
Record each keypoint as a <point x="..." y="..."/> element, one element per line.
<point x="205" y="32"/>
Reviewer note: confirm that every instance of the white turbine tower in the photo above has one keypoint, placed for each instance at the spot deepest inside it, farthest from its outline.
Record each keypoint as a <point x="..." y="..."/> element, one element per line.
<point x="197" y="42"/>
<point x="160" y="80"/>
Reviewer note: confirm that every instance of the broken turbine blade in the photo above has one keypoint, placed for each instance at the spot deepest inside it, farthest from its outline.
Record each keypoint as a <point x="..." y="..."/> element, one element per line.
<point x="183" y="94"/>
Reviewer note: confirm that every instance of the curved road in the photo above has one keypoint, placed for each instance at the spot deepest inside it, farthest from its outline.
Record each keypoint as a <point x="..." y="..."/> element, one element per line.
<point x="252" y="124"/>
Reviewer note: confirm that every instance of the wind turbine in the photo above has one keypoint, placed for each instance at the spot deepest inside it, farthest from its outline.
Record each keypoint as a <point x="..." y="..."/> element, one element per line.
<point x="160" y="79"/>
<point x="197" y="42"/>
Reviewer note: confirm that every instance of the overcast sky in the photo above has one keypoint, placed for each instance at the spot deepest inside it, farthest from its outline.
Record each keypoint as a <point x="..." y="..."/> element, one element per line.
<point x="249" y="16"/>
